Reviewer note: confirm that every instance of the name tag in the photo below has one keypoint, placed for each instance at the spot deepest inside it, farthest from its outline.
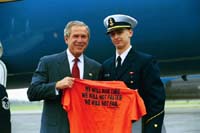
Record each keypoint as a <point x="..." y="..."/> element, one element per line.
<point x="107" y="75"/>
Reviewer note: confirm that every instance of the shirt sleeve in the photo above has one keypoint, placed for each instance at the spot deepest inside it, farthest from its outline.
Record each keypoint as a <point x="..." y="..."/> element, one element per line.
<point x="56" y="92"/>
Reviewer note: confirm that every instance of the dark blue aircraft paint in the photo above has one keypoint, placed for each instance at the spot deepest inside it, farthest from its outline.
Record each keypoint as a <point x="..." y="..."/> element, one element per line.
<point x="168" y="29"/>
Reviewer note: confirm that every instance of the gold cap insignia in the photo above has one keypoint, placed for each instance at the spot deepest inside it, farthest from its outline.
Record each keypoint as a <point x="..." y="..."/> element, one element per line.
<point x="111" y="22"/>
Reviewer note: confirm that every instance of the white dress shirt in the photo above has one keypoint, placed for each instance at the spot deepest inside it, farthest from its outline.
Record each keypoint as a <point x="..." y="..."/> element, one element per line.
<point x="80" y="62"/>
<point x="123" y="55"/>
<point x="71" y="63"/>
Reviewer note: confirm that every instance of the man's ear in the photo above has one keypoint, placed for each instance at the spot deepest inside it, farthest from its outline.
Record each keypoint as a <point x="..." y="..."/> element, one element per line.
<point x="130" y="33"/>
<point x="66" y="39"/>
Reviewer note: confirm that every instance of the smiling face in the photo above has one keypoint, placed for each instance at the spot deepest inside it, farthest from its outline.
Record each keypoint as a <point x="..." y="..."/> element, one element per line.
<point x="121" y="39"/>
<point x="77" y="40"/>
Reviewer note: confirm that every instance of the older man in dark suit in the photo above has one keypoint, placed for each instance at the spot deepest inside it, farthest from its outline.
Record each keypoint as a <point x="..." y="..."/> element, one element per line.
<point x="54" y="74"/>
<point x="138" y="70"/>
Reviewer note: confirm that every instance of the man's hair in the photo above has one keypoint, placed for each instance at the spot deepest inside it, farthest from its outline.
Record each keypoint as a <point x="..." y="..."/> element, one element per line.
<point x="67" y="30"/>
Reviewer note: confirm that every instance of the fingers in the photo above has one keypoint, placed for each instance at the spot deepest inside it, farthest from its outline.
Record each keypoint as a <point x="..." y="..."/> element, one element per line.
<point x="66" y="82"/>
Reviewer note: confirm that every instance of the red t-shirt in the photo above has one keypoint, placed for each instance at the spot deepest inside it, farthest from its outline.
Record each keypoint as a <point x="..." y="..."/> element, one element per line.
<point x="102" y="107"/>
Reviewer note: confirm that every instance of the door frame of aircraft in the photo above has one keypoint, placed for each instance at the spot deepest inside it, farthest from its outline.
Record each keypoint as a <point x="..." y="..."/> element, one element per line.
<point x="3" y="71"/>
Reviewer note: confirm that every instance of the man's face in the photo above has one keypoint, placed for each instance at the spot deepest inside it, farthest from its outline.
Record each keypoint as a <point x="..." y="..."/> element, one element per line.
<point x="121" y="38"/>
<point x="77" y="40"/>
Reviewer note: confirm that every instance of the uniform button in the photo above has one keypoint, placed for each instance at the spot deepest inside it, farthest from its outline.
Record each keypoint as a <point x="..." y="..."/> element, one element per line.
<point x="155" y="125"/>
<point x="131" y="82"/>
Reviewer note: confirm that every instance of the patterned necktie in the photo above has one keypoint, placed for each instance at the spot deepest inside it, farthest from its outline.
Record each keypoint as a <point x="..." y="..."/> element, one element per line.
<point x="118" y="63"/>
<point x="75" y="69"/>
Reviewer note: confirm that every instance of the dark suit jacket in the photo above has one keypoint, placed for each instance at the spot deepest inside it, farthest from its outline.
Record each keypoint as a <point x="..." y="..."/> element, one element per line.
<point x="140" y="71"/>
<point x="51" y="69"/>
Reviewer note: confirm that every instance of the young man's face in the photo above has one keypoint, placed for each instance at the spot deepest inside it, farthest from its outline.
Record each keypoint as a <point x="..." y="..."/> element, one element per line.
<point x="77" y="40"/>
<point x="121" y="38"/>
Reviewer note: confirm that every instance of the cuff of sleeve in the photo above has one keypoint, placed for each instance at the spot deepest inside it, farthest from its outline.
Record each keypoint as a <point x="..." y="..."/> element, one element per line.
<point x="56" y="92"/>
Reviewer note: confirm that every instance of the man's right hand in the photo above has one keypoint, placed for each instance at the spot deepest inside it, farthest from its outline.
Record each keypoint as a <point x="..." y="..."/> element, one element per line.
<point x="66" y="82"/>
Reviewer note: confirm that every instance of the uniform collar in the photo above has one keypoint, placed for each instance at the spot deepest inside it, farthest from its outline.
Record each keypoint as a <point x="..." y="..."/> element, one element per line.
<point x="124" y="54"/>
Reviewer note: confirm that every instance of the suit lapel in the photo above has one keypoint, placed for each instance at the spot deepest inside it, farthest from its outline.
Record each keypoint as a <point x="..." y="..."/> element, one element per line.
<point x="113" y="68"/>
<point x="63" y="65"/>
<point x="87" y="73"/>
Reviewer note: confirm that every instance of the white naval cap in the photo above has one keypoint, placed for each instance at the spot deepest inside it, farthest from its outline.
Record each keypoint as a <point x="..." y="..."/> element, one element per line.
<point x="118" y="21"/>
